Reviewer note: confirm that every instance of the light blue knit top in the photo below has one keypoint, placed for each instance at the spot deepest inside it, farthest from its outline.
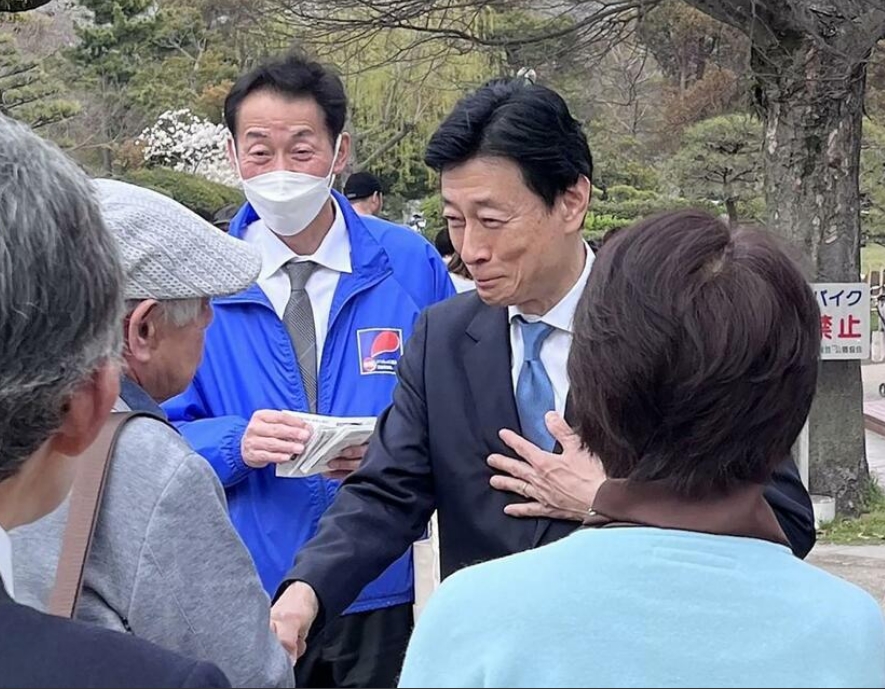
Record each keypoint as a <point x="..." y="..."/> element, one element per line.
<point x="646" y="607"/>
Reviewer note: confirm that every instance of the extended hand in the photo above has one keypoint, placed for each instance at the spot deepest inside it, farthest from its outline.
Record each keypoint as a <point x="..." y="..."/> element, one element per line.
<point x="293" y="615"/>
<point x="558" y="486"/>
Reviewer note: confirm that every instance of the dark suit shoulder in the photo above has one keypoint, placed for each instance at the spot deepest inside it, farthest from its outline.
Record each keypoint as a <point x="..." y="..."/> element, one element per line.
<point x="41" y="650"/>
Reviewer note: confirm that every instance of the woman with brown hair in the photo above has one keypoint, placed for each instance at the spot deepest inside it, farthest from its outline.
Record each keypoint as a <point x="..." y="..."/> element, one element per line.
<point x="693" y="368"/>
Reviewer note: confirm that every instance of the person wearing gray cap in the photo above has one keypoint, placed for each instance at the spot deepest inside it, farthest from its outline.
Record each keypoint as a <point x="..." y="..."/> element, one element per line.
<point x="166" y="564"/>
<point x="60" y="306"/>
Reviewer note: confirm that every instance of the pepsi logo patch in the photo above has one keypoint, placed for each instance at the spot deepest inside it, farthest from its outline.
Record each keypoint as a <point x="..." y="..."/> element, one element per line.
<point x="379" y="350"/>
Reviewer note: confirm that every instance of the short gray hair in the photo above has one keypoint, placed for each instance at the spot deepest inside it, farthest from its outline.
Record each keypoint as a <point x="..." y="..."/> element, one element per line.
<point x="60" y="290"/>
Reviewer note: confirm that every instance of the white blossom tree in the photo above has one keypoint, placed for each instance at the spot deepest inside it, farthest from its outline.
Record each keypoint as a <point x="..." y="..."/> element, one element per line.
<point x="185" y="142"/>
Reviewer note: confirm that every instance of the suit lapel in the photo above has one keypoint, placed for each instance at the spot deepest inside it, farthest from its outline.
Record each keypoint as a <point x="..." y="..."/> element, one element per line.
<point x="487" y="361"/>
<point x="488" y="366"/>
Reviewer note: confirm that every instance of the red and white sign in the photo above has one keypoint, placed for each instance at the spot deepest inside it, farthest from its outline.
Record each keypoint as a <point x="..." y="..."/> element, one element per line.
<point x="844" y="319"/>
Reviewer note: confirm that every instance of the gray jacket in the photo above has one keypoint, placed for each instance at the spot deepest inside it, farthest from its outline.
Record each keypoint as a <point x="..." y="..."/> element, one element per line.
<point x="166" y="563"/>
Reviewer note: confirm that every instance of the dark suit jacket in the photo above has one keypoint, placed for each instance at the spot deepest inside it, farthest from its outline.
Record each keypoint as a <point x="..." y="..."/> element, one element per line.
<point x="39" y="650"/>
<point x="429" y="452"/>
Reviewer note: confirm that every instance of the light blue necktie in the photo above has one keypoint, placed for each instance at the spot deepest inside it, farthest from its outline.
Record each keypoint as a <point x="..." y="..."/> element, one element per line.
<point x="534" y="391"/>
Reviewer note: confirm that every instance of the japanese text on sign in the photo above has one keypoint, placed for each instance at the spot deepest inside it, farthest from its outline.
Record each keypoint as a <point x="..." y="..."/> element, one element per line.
<point x="844" y="319"/>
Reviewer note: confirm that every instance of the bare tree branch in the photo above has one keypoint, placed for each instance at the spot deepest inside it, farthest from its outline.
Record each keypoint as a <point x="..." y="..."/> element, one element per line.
<point x="454" y="21"/>
<point x="407" y="129"/>
<point x="738" y="13"/>
<point x="768" y="21"/>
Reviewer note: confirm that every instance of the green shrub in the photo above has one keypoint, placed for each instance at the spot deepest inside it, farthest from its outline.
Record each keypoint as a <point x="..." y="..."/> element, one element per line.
<point x="203" y="197"/>
<point x="624" y="192"/>
<point x="611" y="215"/>
<point x="638" y="208"/>
<point x="597" y="224"/>
<point x="752" y="210"/>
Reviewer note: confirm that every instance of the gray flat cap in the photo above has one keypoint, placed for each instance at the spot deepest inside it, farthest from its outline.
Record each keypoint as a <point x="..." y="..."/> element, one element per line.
<point x="170" y="252"/>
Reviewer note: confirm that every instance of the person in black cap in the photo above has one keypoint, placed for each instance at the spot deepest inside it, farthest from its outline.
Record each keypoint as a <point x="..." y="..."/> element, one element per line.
<point x="364" y="192"/>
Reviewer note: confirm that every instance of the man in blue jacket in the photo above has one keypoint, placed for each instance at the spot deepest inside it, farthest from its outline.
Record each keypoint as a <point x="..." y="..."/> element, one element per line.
<point x="322" y="331"/>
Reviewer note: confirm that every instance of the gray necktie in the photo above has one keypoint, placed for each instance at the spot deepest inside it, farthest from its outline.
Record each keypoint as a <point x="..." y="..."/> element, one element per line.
<point x="298" y="318"/>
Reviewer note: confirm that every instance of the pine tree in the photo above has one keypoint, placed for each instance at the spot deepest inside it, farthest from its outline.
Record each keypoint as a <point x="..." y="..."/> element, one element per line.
<point x="112" y="47"/>
<point x="26" y="92"/>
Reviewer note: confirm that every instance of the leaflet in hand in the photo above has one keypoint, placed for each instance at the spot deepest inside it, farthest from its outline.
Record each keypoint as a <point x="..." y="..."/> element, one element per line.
<point x="330" y="436"/>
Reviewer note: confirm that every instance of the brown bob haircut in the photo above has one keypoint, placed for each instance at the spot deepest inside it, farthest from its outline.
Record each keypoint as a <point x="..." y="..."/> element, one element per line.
<point x="695" y="354"/>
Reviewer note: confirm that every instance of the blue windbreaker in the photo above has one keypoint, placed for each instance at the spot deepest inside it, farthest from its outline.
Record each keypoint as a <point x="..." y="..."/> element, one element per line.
<point x="249" y="364"/>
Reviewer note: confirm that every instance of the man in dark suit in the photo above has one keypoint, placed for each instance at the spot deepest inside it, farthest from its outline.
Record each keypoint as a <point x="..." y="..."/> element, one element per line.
<point x="515" y="172"/>
<point x="60" y="308"/>
<point x="39" y="650"/>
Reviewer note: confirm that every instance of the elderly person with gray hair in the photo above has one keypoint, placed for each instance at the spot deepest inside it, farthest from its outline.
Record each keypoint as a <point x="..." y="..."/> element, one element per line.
<point x="60" y="309"/>
<point x="166" y="563"/>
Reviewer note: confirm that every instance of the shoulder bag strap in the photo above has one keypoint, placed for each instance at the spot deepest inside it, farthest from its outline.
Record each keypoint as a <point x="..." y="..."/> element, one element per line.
<point x="85" y="501"/>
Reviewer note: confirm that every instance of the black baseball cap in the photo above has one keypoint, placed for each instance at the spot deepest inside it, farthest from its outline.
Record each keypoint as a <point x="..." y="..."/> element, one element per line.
<point x="361" y="185"/>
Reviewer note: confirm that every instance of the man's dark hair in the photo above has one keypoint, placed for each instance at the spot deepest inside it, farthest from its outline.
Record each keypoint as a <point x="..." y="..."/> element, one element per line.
<point x="695" y="354"/>
<point x="292" y="76"/>
<point x="515" y="119"/>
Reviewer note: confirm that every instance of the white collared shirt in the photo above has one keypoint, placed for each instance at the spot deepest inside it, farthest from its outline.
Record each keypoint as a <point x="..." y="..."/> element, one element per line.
<point x="332" y="258"/>
<point x="6" y="562"/>
<point x="555" y="349"/>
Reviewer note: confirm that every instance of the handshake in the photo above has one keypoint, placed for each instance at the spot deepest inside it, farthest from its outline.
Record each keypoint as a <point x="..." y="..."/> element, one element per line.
<point x="278" y="437"/>
<point x="292" y="616"/>
<point x="552" y="486"/>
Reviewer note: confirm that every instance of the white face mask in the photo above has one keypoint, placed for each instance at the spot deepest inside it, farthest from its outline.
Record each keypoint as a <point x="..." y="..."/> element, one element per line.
<point x="287" y="201"/>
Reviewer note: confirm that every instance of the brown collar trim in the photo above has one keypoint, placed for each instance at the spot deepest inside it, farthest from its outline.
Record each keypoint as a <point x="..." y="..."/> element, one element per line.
<point x="743" y="512"/>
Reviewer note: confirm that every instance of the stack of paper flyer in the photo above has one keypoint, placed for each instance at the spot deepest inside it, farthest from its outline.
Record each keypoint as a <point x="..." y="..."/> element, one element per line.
<point x="330" y="436"/>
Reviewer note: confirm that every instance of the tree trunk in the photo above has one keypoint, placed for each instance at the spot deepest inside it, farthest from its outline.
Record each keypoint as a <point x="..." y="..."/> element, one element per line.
<point x="732" y="210"/>
<point x="813" y="102"/>
<point x="107" y="159"/>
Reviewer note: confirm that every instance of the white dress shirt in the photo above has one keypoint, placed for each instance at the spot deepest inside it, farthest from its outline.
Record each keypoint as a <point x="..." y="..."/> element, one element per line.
<point x="555" y="349"/>
<point x="332" y="258"/>
<point x="6" y="562"/>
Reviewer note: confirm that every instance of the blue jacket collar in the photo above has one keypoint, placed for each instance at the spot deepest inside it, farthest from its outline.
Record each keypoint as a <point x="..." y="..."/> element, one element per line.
<point x="368" y="256"/>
